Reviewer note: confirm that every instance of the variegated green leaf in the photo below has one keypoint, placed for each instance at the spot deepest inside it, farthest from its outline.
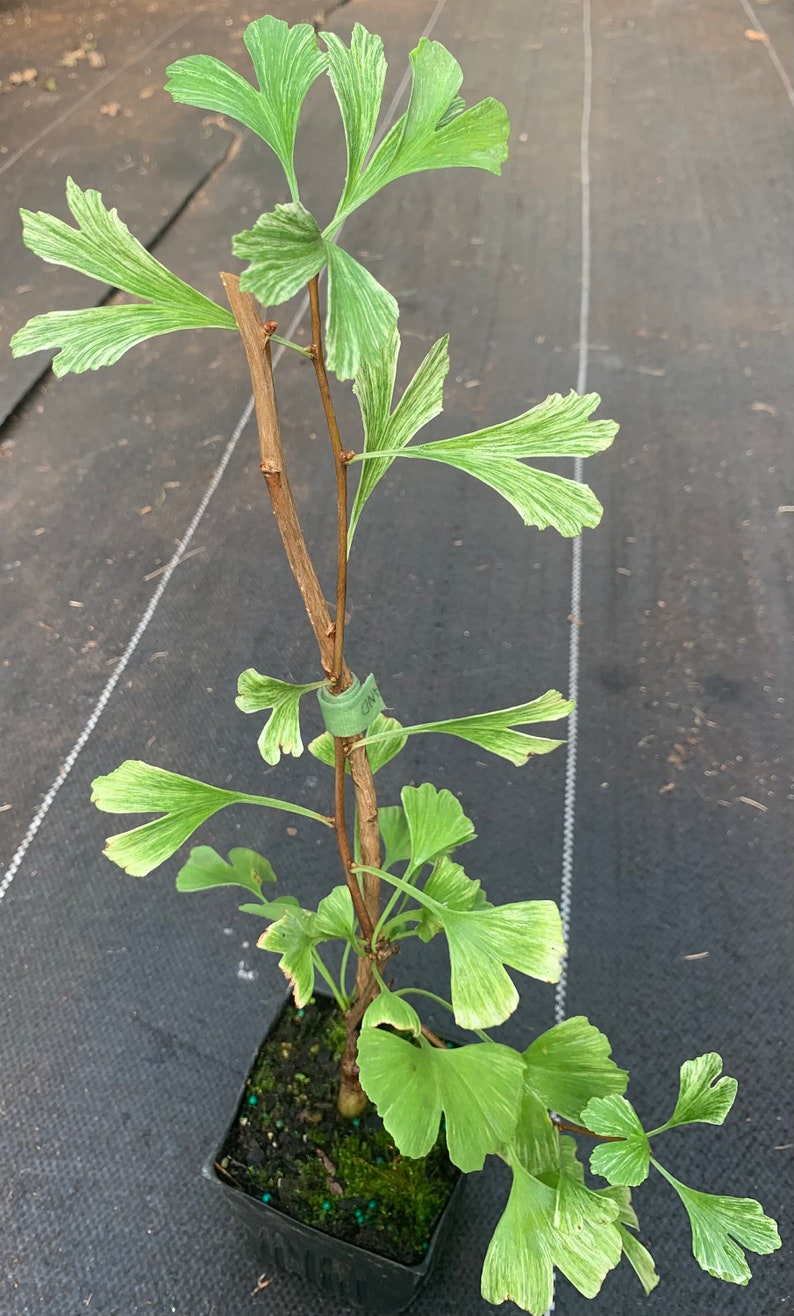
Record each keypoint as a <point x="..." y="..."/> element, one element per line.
<point x="282" y="729"/>
<point x="477" y="1088"/>
<point x="703" y="1096"/>
<point x="722" y="1227"/>
<point x="103" y="248"/>
<point x="137" y="787"/>
<point x="357" y="73"/>
<point x="388" y="430"/>
<point x="361" y="316"/>
<point x="285" y="250"/>
<point x="495" y="731"/>
<point x="569" y="1064"/>
<point x="626" y="1160"/>
<point x="287" y="60"/>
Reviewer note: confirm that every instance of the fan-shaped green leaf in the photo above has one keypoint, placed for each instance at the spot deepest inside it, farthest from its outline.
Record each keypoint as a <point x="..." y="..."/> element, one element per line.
<point x="206" y="869"/>
<point x="357" y="74"/>
<point x="381" y="753"/>
<point x="528" y="1243"/>
<point x="557" y="427"/>
<point x="285" y="250"/>
<point x="494" y="731"/>
<point x="436" y="823"/>
<point x="388" y="430"/>
<point x="287" y="60"/>
<point x="448" y="885"/>
<point x="102" y="247"/>
<point x="569" y="1064"/>
<point x="625" y="1161"/>
<point x="282" y="729"/>
<point x="722" y="1227"/>
<point x="703" y="1097"/>
<point x="387" y="1008"/>
<point x="433" y="133"/>
<point x="361" y="316"/>
<point x="395" y="835"/>
<point x="478" y="1088"/>
<point x="526" y="936"/>
<point x="295" y="935"/>
<point x="98" y="336"/>
<point x="137" y="787"/>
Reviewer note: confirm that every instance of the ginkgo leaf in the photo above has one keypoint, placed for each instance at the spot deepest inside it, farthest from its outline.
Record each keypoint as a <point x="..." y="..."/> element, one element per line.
<point x="103" y="248"/>
<point x="477" y="1088"/>
<point x="626" y="1161"/>
<point x="450" y="886"/>
<point x="285" y="249"/>
<point x="287" y="60"/>
<point x="388" y="430"/>
<point x="357" y="75"/>
<point x="137" y="787"/>
<point x="394" y="833"/>
<point x="526" y="936"/>
<point x="295" y="935"/>
<point x="528" y="1243"/>
<point x="282" y="729"/>
<point x="98" y="336"/>
<point x="433" y="134"/>
<point x="557" y="427"/>
<point x="535" y="1145"/>
<point x="381" y="753"/>
<point x="576" y="1203"/>
<point x="436" y="823"/>
<point x="640" y="1260"/>
<point x="722" y="1227"/>
<point x="205" y="869"/>
<point x="569" y="1064"/>
<point x="361" y="315"/>
<point x="388" y="1008"/>
<point x="495" y="731"/>
<point x="703" y="1097"/>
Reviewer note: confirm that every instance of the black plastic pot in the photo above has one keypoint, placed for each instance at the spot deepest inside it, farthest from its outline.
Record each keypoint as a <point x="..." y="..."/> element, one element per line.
<point x="347" y="1273"/>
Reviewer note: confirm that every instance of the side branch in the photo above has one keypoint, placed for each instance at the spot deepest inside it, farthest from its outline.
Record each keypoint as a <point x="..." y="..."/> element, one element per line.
<point x="256" y="342"/>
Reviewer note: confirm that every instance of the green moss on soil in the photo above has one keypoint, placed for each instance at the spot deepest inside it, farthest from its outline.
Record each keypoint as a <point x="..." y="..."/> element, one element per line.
<point x="289" y="1147"/>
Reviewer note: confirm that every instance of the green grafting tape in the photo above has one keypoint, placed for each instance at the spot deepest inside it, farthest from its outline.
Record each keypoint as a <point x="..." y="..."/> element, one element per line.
<point x="352" y="711"/>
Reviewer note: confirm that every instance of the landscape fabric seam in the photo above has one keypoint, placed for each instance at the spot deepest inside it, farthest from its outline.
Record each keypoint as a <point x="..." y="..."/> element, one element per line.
<point x="770" y="49"/>
<point x="179" y="554"/>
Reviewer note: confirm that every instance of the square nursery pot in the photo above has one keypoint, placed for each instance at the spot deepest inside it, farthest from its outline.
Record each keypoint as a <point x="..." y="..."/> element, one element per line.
<point x="341" y="1270"/>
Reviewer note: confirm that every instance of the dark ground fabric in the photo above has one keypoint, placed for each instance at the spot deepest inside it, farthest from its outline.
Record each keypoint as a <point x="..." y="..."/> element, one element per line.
<point x="129" y="1013"/>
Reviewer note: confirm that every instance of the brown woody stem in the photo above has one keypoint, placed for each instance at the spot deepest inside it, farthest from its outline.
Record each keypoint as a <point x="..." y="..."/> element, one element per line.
<point x="256" y="342"/>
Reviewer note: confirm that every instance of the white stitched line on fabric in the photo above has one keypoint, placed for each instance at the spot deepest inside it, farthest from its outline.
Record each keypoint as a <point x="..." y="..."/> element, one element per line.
<point x="569" y="816"/>
<point x="770" y="49"/>
<point x="97" y="87"/>
<point x="101" y="704"/>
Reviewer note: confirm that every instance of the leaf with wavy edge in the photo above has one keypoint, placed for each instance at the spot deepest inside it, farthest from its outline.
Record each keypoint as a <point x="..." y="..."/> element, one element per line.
<point x="295" y="935"/>
<point x="287" y="60"/>
<point x="476" y="1087"/>
<point x="384" y="429"/>
<point x="722" y="1227"/>
<point x="569" y="1064"/>
<point x="625" y="1161"/>
<point x="557" y="427"/>
<point x="433" y="133"/>
<point x="137" y="787"/>
<point x="436" y="823"/>
<point x="282" y="729"/>
<point x="703" y="1097"/>
<point x="495" y="731"/>
<point x="103" y="248"/>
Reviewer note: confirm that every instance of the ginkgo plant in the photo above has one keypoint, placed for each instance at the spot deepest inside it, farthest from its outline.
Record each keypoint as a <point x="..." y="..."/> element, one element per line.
<point x="399" y="879"/>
